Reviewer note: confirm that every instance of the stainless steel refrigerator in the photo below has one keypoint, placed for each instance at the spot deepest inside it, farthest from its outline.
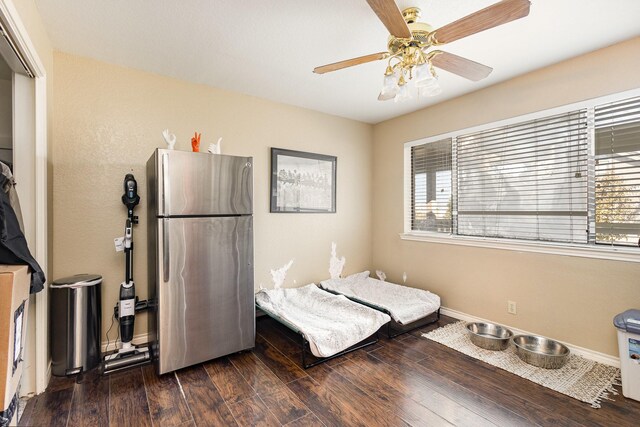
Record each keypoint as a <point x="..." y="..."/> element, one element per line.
<point x="200" y="227"/>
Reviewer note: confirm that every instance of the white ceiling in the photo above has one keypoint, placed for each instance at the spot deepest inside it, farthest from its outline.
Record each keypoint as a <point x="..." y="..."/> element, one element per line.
<point x="268" y="48"/>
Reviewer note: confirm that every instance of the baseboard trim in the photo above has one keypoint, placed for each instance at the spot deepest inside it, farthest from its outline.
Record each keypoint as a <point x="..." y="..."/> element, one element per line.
<point x="581" y="351"/>
<point x="584" y="352"/>
<point x="114" y="345"/>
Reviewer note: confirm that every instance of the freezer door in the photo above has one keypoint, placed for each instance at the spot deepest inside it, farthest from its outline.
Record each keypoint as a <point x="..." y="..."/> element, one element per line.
<point x="204" y="289"/>
<point x="195" y="184"/>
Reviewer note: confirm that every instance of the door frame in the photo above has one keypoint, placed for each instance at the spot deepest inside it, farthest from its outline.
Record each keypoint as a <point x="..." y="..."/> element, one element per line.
<point x="36" y="196"/>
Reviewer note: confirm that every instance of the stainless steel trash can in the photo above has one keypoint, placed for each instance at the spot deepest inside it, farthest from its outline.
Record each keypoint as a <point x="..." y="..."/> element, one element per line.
<point x="75" y="315"/>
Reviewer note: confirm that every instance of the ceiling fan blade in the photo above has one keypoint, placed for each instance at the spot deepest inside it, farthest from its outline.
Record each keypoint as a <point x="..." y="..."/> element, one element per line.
<point x="391" y="17"/>
<point x="489" y="17"/>
<point x="458" y="65"/>
<point x="350" y="62"/>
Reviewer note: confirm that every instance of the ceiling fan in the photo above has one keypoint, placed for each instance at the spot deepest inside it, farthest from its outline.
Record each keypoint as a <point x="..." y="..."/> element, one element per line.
<point x="410" y="40"/>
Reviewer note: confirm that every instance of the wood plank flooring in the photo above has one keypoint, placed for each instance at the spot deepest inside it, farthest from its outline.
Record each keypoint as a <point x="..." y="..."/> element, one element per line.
<point x="407" y="381"/>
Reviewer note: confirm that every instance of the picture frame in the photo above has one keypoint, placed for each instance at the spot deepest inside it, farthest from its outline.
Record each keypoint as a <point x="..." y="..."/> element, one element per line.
<point x="302" y="182"/>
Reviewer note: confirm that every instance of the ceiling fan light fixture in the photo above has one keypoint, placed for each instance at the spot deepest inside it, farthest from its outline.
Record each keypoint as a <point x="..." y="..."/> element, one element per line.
<point x="386" y="95"/>
<point x="403" y="92"/>
<point x="410" y="41"/>
<point x="389" y="86"/>
<point x="423" y="75"/>
<point x="390" y="81"/>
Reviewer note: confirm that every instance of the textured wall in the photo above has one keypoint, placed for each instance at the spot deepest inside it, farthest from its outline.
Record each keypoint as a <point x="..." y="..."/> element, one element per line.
<point x="567" y="298"/>
<point x="109" y="119"/>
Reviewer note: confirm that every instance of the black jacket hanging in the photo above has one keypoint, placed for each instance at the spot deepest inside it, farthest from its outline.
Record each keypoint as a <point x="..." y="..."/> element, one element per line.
<point x="13" y="245"/>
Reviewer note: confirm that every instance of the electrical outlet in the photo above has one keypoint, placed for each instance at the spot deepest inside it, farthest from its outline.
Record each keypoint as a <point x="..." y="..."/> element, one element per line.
<point x="512" y="308"/>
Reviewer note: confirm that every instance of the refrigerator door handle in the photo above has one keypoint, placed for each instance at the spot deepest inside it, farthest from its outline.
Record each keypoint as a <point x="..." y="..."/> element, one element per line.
<point x="165" y="250"/>
<point x="165" y="184"/>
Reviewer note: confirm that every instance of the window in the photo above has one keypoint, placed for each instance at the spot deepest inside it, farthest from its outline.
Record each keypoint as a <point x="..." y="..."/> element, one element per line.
<point x="617" y="171"/>
<point x="525" y="181"/>
<point x="431" y="187"/>
<point x="566" y="178"/>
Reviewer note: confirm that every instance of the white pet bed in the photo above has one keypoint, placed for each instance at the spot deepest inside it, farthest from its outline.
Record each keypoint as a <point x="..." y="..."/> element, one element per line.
<point x="405" y="305"/>
<point x="329" y="323"/>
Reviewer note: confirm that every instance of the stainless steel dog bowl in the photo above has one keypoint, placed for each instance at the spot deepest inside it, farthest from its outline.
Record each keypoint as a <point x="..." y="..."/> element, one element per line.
<point x="489" y="335"/>
<point x="541" y="351"/>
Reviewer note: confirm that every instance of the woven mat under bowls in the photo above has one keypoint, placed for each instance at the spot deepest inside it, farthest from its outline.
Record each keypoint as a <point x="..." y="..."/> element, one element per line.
<point x="580" y="378"/>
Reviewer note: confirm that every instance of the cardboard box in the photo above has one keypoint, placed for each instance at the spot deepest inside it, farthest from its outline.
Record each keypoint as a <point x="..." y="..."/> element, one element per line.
<point x="14" y="305"/>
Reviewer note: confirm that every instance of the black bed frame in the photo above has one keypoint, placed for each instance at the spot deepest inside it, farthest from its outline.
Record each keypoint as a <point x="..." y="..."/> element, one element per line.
<point x="400" y="329"/>
<point x="392" y="325"/>
<point x="306" y="349"/>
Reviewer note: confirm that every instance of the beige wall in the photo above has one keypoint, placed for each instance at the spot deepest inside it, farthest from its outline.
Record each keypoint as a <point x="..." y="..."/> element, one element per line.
<point x="109" y="119"/>
<point x="568" y="298"/>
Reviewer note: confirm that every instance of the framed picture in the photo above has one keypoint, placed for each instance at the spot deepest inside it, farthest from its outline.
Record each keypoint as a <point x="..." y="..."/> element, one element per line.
<point x="302" y="182"/>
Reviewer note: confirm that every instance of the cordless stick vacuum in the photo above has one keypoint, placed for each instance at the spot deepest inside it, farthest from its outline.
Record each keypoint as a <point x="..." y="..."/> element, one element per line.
<point x="128" y="355"/>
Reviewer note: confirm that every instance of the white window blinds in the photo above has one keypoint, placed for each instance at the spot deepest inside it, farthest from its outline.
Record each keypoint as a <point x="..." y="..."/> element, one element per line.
<point x="431" y="187"/>
<point x="617" y="171"/>
<point x="525" y="181"/>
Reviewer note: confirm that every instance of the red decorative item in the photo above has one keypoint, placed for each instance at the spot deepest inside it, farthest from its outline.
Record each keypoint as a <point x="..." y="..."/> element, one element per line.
<point x="195" y="142"/>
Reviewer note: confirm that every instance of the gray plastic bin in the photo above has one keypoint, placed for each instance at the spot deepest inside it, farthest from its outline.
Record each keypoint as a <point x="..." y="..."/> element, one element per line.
<point x="628" y="325"/>
<point x="75" y="314"/>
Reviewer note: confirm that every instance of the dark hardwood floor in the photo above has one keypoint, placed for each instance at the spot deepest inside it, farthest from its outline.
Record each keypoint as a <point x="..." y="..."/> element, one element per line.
<point x="407" y="381"/>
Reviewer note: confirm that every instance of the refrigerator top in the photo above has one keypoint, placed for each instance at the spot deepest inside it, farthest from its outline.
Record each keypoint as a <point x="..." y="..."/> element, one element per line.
<point x="199" y="184"/>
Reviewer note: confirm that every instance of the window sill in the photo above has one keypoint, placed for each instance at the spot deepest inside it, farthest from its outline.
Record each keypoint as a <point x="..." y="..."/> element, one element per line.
<point x="608" y="253"/>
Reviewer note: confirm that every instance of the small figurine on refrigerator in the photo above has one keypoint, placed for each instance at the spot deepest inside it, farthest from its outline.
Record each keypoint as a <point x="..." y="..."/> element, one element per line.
<point x="169" y="138"/>
<point x="195" y="142"/>
<point x="215" y="148"/>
